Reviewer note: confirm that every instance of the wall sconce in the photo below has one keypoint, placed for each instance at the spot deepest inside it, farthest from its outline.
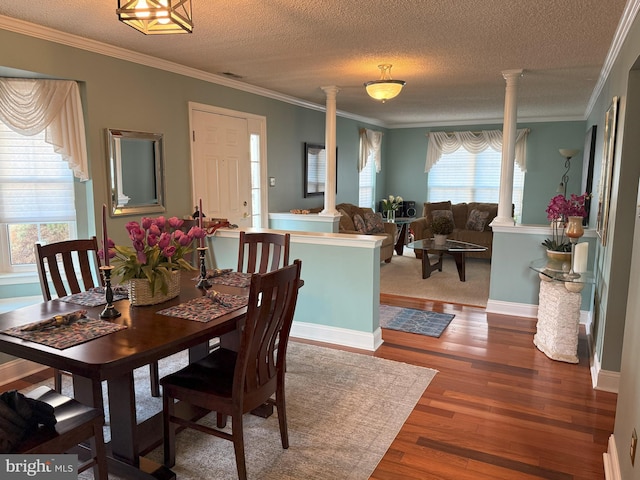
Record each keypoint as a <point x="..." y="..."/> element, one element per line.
<point x="568" y="155"/>
<point x="385" y="88"/>
<point x="156" y="17"/>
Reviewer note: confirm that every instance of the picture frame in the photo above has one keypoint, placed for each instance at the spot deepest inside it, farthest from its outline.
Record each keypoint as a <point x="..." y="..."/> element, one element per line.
<point x="315" y="168"/>
<point x="606" y="174"/>
<point x="587" y="169"/>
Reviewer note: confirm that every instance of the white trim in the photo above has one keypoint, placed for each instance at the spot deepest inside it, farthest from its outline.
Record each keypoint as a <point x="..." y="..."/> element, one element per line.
<point x="16" y="369"/>
<point x="337" y="336"/>
<point x="63" y="38"/>
<point x="604" y="380"/>
<point x="310" y="217"/>
<point x="511" y="308"/>
<point x="611" y="462"/>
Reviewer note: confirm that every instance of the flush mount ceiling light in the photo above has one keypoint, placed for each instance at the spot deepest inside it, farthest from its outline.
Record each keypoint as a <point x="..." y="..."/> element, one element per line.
<point x="156" y="17"/>
<point x="385" y="88"/>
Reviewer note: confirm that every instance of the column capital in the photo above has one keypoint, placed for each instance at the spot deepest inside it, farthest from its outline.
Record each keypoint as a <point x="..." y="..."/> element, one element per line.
<point x="330" y="90"/>
<point x="510" y="75"/>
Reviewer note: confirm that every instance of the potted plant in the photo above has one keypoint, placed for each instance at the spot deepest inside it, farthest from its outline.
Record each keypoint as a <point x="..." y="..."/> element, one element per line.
<point x="155" y="258"/>
<point x="559" y="210"/>
<point x="441" y="227"/>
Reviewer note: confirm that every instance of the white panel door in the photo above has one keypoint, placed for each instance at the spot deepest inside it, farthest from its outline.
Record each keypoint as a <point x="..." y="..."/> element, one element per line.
<point x="221" y="166"/>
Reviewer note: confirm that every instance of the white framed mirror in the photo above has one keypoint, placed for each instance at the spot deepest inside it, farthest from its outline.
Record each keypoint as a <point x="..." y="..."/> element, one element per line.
<point x="136" y="164"/>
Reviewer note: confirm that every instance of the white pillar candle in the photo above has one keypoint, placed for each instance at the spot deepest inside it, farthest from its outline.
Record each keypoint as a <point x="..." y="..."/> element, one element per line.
<point x="580" y="257"/>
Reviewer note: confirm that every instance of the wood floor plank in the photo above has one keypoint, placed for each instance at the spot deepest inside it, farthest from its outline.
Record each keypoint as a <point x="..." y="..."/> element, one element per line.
<point x="497" y="408"/>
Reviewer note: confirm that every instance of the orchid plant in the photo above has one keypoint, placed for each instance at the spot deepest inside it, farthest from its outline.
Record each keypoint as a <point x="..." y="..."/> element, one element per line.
<point x="391" y="203"/>
<point x="158" y="248"/>
<point x="558" y="210"/>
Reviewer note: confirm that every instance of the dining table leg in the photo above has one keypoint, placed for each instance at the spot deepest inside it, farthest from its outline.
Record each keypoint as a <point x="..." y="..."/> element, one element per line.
<point x="122" y="415"/>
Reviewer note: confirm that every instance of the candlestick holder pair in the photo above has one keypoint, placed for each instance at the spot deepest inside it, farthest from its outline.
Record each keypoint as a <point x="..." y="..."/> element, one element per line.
<point x="109" y="311"/>
<point x="203" y="281"/>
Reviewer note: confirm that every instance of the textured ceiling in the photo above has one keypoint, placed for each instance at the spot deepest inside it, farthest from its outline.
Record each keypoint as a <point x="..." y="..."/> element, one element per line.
<point x="451" y="53"/>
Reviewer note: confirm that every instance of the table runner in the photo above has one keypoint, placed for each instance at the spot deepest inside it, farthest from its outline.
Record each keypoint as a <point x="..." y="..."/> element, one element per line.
<point x="228" y="277"/>
<point x="204" y="309"/>
<point x="65" y="336"/>
<point x="96" y="296"/>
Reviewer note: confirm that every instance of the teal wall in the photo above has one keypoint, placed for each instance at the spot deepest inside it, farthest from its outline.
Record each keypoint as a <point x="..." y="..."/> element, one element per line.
<point x="407" y="150"/>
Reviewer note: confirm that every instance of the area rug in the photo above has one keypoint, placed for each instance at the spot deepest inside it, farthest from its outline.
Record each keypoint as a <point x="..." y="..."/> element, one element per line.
<point x="410" y="320"/>
<point x="403" y="276"/>
<point x="344" y="410"/>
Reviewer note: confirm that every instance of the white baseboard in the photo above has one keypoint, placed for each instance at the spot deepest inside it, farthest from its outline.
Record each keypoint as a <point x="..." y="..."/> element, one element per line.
<point x="604" y="380"/>
<point x="337" y="335"/>
<point x="611" y="463"/>
<point x="16" y="369"/>
<point x="511" y="308"/>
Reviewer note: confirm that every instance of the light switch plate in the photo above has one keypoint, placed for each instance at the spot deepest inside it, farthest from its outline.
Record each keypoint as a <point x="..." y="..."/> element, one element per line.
<point x="272" y="181"/>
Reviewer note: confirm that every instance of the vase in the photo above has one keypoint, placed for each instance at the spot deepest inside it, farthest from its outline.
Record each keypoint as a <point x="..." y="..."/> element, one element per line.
<point x="574" y="228"/>
<point x="140" y="290"/>
<point x="439" y="239"/>
<point x="558" y="261"/>
<point x="391" y="215"/>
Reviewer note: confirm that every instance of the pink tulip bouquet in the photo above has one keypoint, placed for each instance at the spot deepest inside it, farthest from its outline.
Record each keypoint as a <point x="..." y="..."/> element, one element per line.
<point x="158" y="248"/>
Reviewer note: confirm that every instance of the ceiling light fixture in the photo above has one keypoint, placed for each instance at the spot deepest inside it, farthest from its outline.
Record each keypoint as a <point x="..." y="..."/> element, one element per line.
<point x="156" y="17"/>
<point x="385" y="88"/>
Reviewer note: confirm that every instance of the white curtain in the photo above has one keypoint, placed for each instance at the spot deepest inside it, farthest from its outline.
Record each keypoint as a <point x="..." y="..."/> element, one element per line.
<point x="443" y="142"/>
<point x="29" y="106"/>
<point x="370" y="141"/>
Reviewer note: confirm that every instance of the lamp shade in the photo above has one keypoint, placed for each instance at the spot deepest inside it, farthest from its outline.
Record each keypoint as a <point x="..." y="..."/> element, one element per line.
<point x="386" y="88"/>
<point x="156" y="17"/>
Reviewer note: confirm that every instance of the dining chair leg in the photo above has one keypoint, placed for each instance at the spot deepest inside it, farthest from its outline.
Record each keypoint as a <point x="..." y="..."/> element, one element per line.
<point x="154" y="377"/>
<point x="57" y="380"/>
<point x="282" y="419"/>
<point x="221" y="420"/>
<point x="168" y="409"/>
<point x="98" y="448"/>
<point x="238" y="444"/>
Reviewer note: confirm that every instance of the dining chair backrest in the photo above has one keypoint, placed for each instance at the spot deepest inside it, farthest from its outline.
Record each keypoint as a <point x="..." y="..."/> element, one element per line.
<point x="79" y="254"/>
<point x="263" y="345"/>
<point x="264" y="252"/>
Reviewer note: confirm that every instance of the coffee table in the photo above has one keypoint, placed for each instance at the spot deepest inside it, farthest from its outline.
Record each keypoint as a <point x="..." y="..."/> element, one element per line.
<point x="458" y="250"/>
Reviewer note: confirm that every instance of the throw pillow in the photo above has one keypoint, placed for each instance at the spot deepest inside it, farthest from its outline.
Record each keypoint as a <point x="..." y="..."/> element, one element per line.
<point x="346" y="224"/>
<point x="358" y="222"/>
<point x="477" y="220"/>
<point x="373" y="223"/>
<point x="443" y="213"/>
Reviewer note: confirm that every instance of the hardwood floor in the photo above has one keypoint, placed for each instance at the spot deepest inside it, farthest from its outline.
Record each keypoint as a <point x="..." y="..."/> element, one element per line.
<point x="497" y="409"/>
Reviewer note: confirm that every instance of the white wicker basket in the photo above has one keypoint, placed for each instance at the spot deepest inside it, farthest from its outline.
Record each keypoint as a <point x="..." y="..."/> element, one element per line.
<point x="140" y="291"/>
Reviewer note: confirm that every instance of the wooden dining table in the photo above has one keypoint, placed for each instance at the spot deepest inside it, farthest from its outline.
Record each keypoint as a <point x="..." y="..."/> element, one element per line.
<point x="149" y="337"/>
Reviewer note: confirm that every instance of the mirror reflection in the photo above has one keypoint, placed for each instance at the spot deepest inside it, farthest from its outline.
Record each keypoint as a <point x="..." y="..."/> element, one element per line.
<point x="135" y="172"/>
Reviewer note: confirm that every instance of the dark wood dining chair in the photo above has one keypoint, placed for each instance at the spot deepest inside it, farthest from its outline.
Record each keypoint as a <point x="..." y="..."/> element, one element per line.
<point x="79" y="254"/>
<point x="263" y="252"/>
<point x="76" y="423"/>
<point x="233" y="383"/>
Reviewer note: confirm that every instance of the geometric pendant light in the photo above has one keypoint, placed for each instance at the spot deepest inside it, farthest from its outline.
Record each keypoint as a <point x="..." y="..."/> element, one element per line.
<point x="156" y="17"/>
<point x="385" y="88"/>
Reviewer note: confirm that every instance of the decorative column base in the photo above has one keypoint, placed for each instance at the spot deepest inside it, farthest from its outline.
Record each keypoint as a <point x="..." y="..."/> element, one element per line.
<point x="558" y="322"/>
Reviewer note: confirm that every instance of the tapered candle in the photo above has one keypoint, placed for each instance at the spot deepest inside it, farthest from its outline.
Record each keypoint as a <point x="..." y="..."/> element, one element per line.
<point x="200" y="223"/>
<point x="105" y="237"/>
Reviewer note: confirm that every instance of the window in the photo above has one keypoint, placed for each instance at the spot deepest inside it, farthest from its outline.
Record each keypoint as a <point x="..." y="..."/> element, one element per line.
<point x="36" y="198"/>
<point x="366" y="186"/>
<point x="463" y="176"/>
<point x="256" y="191"/>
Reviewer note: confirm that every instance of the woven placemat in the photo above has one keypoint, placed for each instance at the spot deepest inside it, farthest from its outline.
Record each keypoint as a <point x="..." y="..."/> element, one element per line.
<point x="233" y="279"/>
<point x="65" y="336"/>
<point x="203" y="309"/>
<point x="95" y="296"/>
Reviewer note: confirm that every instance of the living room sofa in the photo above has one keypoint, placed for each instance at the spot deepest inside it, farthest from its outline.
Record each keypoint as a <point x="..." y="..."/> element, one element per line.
<point x="348" y="225"/>
<point x="471" y="224"/>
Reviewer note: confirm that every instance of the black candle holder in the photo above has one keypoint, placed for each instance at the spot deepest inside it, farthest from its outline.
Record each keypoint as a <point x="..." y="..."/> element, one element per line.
<point x="203" y="282"/>
<point x="109" y="311"/>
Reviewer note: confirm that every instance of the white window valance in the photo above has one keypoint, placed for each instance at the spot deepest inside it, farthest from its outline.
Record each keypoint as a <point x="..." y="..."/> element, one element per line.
<point x="370" y="142"/>
<point x="29" y="106"/>
<point x="475" y="142"/>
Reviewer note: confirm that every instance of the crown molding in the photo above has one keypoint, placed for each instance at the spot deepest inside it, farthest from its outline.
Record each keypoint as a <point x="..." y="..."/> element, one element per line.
<point x="75" y="41"/>
<point x="626" y="21"/>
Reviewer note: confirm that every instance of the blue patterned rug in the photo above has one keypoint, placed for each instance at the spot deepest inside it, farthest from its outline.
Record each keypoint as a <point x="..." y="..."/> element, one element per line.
<point x="414" y="321"/>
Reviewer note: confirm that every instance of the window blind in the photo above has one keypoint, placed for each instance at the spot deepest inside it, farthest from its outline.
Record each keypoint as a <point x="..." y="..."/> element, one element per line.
<point x="36" y="185"/>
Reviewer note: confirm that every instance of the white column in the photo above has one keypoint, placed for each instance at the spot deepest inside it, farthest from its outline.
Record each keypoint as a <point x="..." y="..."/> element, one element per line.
<point x="330" y="146"/>
<point x="509" y="130"/>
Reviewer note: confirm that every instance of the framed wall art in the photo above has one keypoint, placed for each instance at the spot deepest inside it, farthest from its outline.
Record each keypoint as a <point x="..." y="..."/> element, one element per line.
<point x="606" y="174"/>
<point x="587" y="169"/>
<point x="315" y="168"/>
